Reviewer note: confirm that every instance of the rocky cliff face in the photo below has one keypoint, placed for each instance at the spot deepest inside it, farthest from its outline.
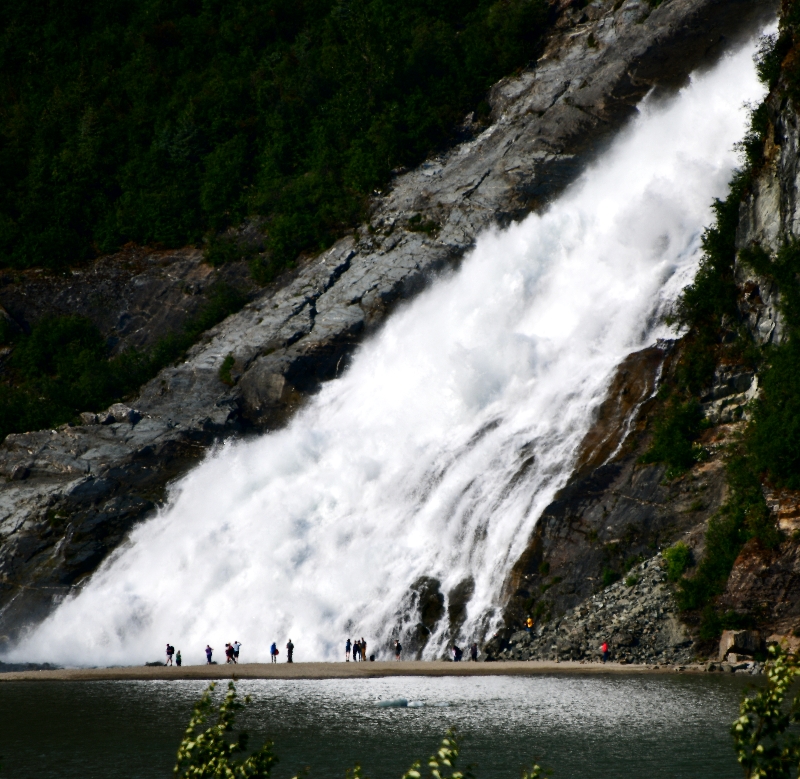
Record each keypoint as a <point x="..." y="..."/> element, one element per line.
<point x="766" y="582"/>
<point x="133" y="297"/>
<point x="69" y="496"/>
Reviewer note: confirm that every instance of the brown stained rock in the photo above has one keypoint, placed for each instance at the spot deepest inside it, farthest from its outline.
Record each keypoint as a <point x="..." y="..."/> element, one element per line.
<point x="766" y="584"/>
<point x="634" y="383"/>
<point x="785" y="506"/>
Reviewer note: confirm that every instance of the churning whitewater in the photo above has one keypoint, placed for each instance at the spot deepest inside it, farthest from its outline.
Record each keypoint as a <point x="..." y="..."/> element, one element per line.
<point x="436" y="452"/>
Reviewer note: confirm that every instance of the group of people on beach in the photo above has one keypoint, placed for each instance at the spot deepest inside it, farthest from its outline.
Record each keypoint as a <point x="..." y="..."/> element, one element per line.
<point x="358" y="648"/>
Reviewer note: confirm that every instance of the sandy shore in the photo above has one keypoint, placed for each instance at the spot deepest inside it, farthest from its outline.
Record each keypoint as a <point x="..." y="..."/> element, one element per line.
<point x="338" y="671"/>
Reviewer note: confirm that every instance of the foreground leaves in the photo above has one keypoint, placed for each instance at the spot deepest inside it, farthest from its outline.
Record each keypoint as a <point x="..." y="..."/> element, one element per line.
<point x="765" y="745"/>
<point x="208" y="754"/>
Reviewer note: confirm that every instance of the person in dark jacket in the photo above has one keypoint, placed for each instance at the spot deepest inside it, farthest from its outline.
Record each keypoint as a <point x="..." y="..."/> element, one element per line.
<point x="289" y="651"/>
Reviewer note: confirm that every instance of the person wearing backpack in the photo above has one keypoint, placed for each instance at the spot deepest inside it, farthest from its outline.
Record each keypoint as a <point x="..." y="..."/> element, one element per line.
<point x="273" y="652"/>
<point x="170" y="652"/>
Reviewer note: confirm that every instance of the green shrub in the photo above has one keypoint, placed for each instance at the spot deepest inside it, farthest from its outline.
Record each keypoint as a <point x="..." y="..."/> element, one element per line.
<point x="743" y="516"/>
<point x="225" y="370"/>
<point x="773" y="438"/>
<point x="713" y="293"/>
<point x="609" y="576"/>
<point x="678" y="558"/>
<point x="674" y="432"/>
<point x="631" y="581"/>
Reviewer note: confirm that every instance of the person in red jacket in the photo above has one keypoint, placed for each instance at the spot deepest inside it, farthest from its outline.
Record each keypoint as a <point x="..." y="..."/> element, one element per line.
<point x="604" y="650"/>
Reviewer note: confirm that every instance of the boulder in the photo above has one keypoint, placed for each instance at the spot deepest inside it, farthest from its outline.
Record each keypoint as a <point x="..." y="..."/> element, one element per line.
<point x="122" y="413"/>
<point x="740" y="642"/>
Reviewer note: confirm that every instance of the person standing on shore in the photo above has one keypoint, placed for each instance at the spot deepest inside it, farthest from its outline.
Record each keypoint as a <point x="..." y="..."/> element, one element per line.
<point x="236" y="647"/>
<point x="604" y="650"/>
<point x="170" y="652"/>
<point x="347" y="647"/>
<point x="398" y="648"/>
<point x="273" y="652"/>
<point x="363" y="649"/>
<point x="178" y="659"/>
<point x="289" y="651"/>
<point x="473" y="652"/>
<point x="228" y="653"/>
<point x="209" y="650"/>
<point x="356" y="651"/>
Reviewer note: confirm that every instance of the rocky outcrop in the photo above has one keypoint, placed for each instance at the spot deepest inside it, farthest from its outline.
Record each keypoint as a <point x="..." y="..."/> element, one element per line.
<point x="70" y="495"/>
<point x="637" y="617"/>
<point x="134" y="297"/>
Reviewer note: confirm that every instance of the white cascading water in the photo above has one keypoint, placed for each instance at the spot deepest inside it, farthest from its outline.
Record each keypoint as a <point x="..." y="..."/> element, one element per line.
<point x="417" y="462"/>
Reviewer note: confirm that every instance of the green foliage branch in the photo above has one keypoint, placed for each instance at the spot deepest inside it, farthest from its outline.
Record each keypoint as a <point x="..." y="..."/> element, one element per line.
<point x="765" y="738"/>
<point x="209" y="754"/>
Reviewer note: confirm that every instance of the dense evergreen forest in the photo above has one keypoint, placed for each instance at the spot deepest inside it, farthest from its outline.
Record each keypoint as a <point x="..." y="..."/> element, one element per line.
<point x="163" y="122"/>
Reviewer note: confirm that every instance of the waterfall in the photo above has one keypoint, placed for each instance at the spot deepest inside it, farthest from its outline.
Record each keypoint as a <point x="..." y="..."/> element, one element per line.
<point x="434" y="455"/>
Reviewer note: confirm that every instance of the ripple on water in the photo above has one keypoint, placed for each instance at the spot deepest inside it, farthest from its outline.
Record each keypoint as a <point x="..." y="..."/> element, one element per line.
<point x="584" y="727"/>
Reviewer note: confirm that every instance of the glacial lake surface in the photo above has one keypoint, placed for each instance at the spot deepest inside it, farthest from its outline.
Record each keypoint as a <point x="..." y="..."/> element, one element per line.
<point x="583" y="727"/>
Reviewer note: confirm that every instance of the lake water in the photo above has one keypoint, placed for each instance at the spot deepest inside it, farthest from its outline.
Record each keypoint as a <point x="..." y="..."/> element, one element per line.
<point x="583" y="727"/>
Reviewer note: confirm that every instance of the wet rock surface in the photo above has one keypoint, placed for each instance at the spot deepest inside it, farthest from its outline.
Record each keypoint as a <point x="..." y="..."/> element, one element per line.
<point x="612" y="517"/>
<point x="637" y="617"/>
<point x="69" y="496"/>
